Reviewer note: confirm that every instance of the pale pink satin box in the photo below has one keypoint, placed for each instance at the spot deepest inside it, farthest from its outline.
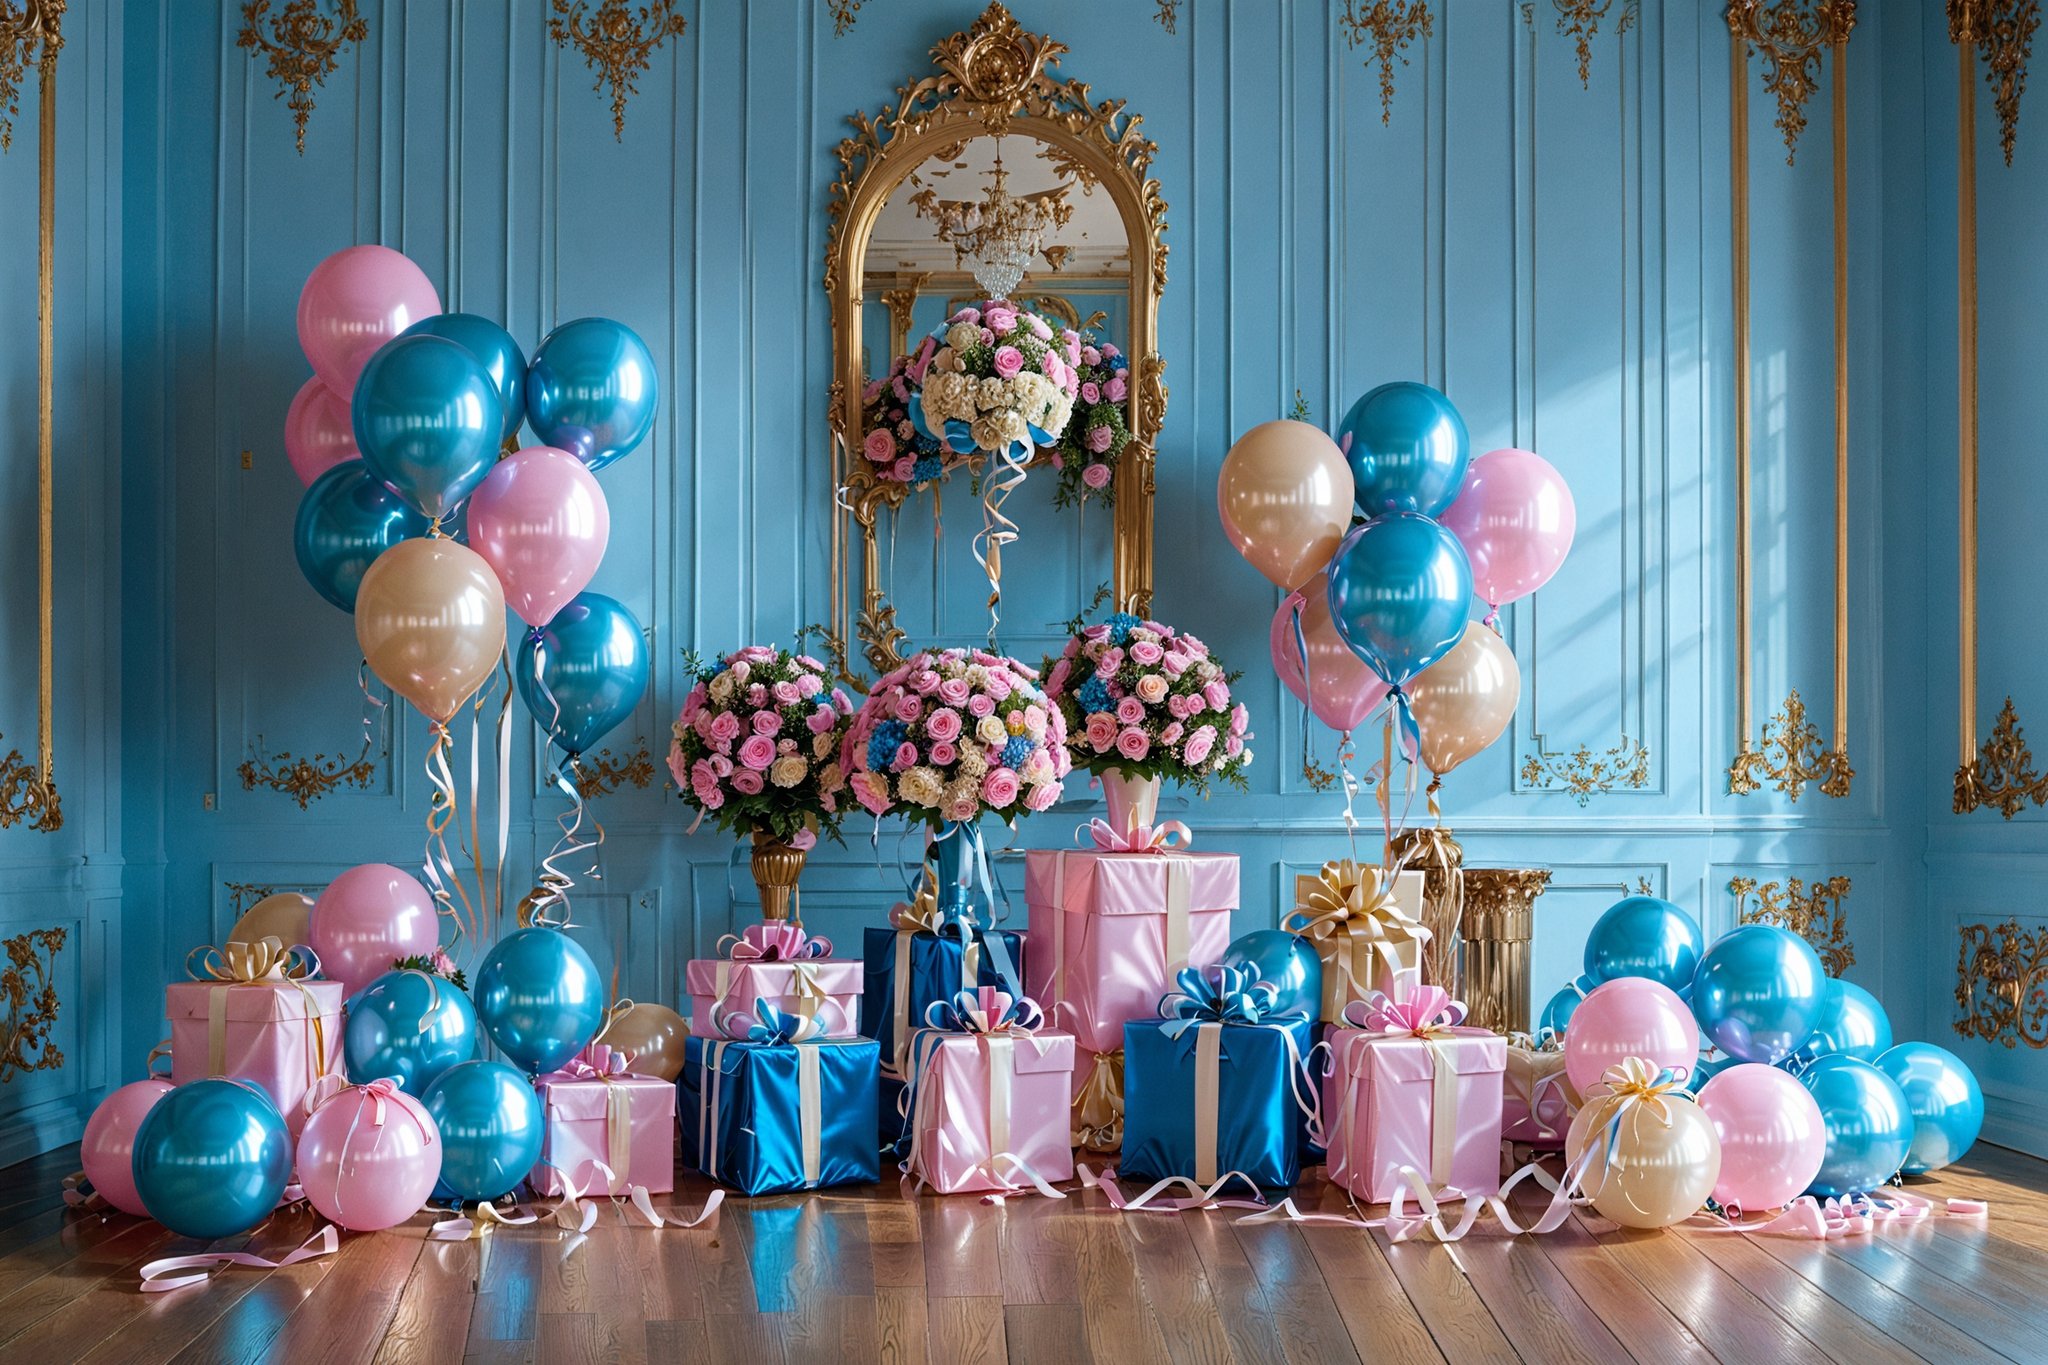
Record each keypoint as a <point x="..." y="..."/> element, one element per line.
<point x="280" y="1035"/>
<point x="579" y="1132"/>
<point x="1381" y="1112"/>
<point x="958" y="1145"/>
<point x="1102" y="932"/>
<point x="740" y="987"/>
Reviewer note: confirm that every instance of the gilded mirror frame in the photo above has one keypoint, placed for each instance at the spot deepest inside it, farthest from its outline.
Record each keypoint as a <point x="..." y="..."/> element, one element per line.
<point x="994" y="78"/>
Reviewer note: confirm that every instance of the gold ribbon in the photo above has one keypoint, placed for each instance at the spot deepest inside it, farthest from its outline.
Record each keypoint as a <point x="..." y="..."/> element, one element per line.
<point x="1432" y="848"/>
<point x="265" y="962"/>
<point x="921" y="914"/>
<point x="1347" y="907"/>
<point x="1098" y="1118"/>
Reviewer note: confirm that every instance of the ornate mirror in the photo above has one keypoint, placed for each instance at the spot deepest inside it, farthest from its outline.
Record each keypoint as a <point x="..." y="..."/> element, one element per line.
<point x="991" y="179"/>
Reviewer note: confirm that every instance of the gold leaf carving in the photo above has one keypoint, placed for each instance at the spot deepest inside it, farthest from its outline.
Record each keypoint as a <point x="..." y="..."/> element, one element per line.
<point x="29" y="986"/>
<point x="1790" y="37"/>
<point x="1584" y="773"/>
<point x="1790" y="756"/>
<point x="1387" y="27"/>
<point x="2005" y="30"/>
<point x="1580" y="21"/>
<point x="302" y="49"/>
<point x="29" y="36"/>
<point x="306" y="780"/>
<point x="1814" y="913"/>
<point x="2002" y="776"/>
<point x="618" y="44"/>
<point x="2002" y="984"/>
<point x="602" y="772"/>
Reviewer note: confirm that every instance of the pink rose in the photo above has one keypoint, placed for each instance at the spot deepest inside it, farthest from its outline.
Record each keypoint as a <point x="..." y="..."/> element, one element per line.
<point x="981" y="704"/>
<point x="1133" y="745"/>
<point x="924" y="682"/>
<point x="1116" y="390"/>
<point x="785" y="694"/>
<point x="999" y="685"/>
<point x="721" y="766"/>
<point x="1151" y="689"/>
<point x="1096" y="475"/>
<point x="1042" y="795"/>
<point x="711" y="798"/>
<point x="1034" y="719"/>
<point x="1171" y="734"/>
<point x="767" y="723"/>
<point x="1239" y="719"/>
<point x="1110" y="351"/>
<point x="902" y="470"/>
<point x="725" y="728"/>
<point x="1038" y="326"/>
<point x="747" y="782"/>
<point x="1058" y="677"/>
<point x="1177" y="706"/>
<point x="1217" y="694"/>
<point x="757" y="696"/>
<point x="1101" y="731"/>
<point x="1232" y="746"/>
<point x="785" y="746"/>
<point x="1073" y="382"/>
<point x="988" y="338"/>
<point x="1130" y="711"/>
<point x="1100" y="439"/>
<point x="1175" y="663"/>
<point x="841" y="702"/>
<point x="942" y="753"/>
<point x="1199" y="744"/>
<point x="821" y="720"/>
<point x="1070" y="342"/>
<point x="872" y="391"/>
<point x="1097" y="632"/>
<point x="966" y="315"/>
<point x="872" y="791"/>
<point x="1049" y="365"/>
<point x="943" y="724"/>
<point x="1147" y="652"/>
<point x="804" y="840"/>
<point x="900" y="389"/>
<point x="954" y="691"/>
<point x="1009" y="362"/>
<point x="1091" y="392"/>
<point x="906" y="757"/>
<point x="1091" y="355"/>
<point x="999" y="788"/>
<point x="880" y="446"/>
<point x="1001" y="320"/>
<point x="909" y="706"/>
<point x="757" y="753"/>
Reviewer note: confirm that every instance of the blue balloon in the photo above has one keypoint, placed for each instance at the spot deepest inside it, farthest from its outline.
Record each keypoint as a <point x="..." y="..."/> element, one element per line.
<point x="491" y="1126"/>
<point x="410" y="1027"/>
<point x="591" y="390"/>
<point x="1400" y="594"/>
<point x="495" y="349"/>
<point x="1287" y="960"/>
<point x="1868" y="1122"/>
<point x="427" y="419"/>
<point x="540" y="997"/>
<point x="1759" y="992"/>
<point x="592" y="671"/>
<point x="1945" y="1099"/>
<point x="1645" y="936"/>
<point x="1852" y="1024"/>
<point x="346" y="519"/>
<point x="212" y="1159"/>
<point x="1705" y="1069"/>
<point x="1407" y="447"/>
<point x="1557" y="1015"/>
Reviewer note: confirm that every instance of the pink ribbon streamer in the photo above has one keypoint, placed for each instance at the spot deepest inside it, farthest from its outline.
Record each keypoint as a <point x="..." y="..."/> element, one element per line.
<point x="163" y="1275"/>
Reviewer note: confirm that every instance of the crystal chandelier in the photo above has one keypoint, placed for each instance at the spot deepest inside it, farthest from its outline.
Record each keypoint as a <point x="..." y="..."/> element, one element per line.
<point x="998" y="237"/>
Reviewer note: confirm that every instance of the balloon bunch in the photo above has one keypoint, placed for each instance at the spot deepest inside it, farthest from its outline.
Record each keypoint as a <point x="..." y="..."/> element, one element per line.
<point x="407" y="436"/>
<point x="1377" y="608"/>
<point x="1806" y="1092"/>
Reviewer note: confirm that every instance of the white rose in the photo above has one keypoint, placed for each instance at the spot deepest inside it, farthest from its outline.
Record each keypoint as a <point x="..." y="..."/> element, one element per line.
<point x="991" y="730"/>
<point x="788" y="770"/>
<point x="962" y="336"/>
<point x="920" y="786"/>
<point x="721" y="688"/>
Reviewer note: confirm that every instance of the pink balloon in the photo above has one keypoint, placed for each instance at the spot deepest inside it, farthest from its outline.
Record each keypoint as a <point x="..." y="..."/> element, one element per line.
<point x="1772" y="1137"/>
<point x="540" y="521"/>
<point x="1630" y="1016"/>
<point x="1338" y="686"/>
<point x="355" y="301"/>
<point x="108" y="1151"/>
<point x="317" y="432"/>
<point x="368" y="918"/>
<point x="369" y="1157"/>
<point x="1515" y="518"/>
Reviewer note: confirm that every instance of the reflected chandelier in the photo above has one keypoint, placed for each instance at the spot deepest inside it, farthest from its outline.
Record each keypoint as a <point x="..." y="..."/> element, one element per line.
<point x="998" y="237"/>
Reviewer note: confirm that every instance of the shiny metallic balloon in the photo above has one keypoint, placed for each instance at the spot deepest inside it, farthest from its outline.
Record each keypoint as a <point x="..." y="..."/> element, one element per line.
<point x="1558" y="1013"/>
<point x="591" y="390"/>
<point x="346" y="519"/>
<point x="591" y="667"/>
<point x="1287" y="960"/>
<point x="212" y="1158"/>
<point x="1407" y="448"/>
<point x="408" y="1026"/>
<point x="1645" y="936"/>
<point x="428" y="421"/>
<point x="1400" y="594"/>
<point x="540" y="997"/>
<point x="1652" y="1165"/>
<point x="1852" y="1024"/>
<point x="1869" y="1125"/>
<point x="1759" y="992"/>
<point x="495" y="349"/>
<point x="1947" y="1103"/>
<point x="491" y="1126"/>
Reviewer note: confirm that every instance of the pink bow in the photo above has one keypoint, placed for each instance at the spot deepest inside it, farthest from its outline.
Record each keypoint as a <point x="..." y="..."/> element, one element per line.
<point x="774" y="941"/>
<point x="599" y="1061"/>
<point x="1425" y="1012"/>
<point x="915" y="372"/>
<point x="1160" y="838"/>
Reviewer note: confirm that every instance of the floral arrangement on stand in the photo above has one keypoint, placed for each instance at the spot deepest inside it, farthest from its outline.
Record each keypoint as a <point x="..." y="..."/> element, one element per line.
<point x="896" y="451"/>
<point x="995" y="379"/>
<point x="1087" y="452"/>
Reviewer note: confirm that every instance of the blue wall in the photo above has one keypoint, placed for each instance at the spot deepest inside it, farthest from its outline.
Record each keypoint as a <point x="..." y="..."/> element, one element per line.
<point x="1556" y="257"/>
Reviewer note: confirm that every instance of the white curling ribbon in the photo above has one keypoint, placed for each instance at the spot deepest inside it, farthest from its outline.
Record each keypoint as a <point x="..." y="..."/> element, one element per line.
<point x="710" y="1058"/>
<point x="809" y="1112"/>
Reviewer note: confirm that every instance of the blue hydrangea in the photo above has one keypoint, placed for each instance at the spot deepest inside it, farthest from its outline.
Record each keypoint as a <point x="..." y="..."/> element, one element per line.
<point x="1120" y="626"/>
<point x="1018" y="751"/>
<point x="924" y="445"/>
<point x="1094" y="696"/>
<point x="930" y="467"/>
<point x="1118" y="362"/>
<point x="882" y="744"/>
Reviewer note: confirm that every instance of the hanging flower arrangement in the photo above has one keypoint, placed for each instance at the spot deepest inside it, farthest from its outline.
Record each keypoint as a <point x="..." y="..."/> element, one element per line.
<point x="1086" y="454"/>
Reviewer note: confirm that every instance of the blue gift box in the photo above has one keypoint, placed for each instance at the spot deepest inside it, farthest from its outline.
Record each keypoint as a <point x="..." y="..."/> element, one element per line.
<point x="938" y="971"/>
<point x="749" y="1112"/>
<point x="1256" y="1124"/>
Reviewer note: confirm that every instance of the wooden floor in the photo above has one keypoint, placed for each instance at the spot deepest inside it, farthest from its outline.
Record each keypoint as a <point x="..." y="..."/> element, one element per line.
<point x="869" y="1274"/>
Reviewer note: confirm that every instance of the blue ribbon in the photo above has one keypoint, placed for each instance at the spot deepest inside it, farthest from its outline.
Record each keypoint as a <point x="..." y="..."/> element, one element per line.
<point x="1404" y="719"/>
<point x="985" y="1009"/>
<point x="1220" y="994"/>
<point x="769" y="1026"/>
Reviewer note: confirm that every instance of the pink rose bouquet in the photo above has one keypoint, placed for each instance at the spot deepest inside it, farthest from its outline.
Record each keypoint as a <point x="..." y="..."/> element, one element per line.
<point x="1087" y="452"/>
<point x="1137" y="696"/>
<point x="993" y="378"/>
<point x="756" y="747"/>
<point x="953" y="733"/>
<point x="891" y="447"/>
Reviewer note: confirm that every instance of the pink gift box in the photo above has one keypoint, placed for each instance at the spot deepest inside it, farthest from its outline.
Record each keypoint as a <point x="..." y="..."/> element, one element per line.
<point x="1110" y="930"/>
<point x="584" y="1116"/>
<point x="742" y="986"/>
<point x="1394" y="1100"/>
<point x="957" y="1132"/>
<point x="282" y="1035"/>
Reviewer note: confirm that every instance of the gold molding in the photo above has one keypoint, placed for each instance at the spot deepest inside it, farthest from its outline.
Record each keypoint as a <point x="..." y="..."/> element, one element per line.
<point x="843" y="12"/>
<point x="1497" y="925"/>
<point x="32" y="1004"/>
<point x="1815" y="913"/>
<point x="30" y="793"/>
<point x="1790" y="37"/>
<point x="2004" y="30"/>
<point x="242" y="895"/>
<point x="1580" y="21"/>
<point x="306" y="780"/>
<point x="617" y="44"/>
<point x="992" y="78"/>
<point x="1387" y="27"/>
<point x="2002" y="774"/>
<point x="1584" y="773"/>
<point x="599" y="773"/>
<point x="1790" y="756"/>
<point x="1168" y="15"/>
<point x="2002" y="984"/>
<point x="303" y="49"/>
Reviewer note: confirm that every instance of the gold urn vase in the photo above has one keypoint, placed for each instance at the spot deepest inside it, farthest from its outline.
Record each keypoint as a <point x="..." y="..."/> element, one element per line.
<point x="777" y="865"/>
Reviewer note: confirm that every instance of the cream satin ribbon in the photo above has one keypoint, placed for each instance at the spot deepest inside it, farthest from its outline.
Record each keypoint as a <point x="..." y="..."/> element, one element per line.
<point x="970" y="977"/>
<point x="709" y="1093"/>
<point x="810" y="1120"/>
<point x="805" y="987"/>
<point x="1208" y="1092"/>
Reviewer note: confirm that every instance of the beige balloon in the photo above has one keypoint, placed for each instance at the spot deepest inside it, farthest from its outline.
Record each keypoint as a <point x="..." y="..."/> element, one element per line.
<point x="286" y="916"/>
<point x="1285" y="498"/>
<point x="1661" y="1173"/>
<point x="1464" y="701"/>
<point x="430" y="618"/>
<point x="654" y="1034"/>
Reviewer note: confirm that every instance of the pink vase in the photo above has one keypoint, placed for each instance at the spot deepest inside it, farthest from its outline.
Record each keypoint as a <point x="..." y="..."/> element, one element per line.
<point x="1132" y="801"/>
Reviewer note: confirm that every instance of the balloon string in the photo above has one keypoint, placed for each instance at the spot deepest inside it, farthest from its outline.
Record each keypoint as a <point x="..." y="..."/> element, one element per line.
<point x="1345" y="754"/>
<point x="374" y="708"/>
<point x="504" y="792"/>
<point x="550" y="906"/>
<point x="1006" y="471"/>
<point x="439" y="866"/>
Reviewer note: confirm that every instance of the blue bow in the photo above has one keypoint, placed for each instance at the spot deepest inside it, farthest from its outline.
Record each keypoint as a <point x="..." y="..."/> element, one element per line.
<point x="770" y="1026"/>
<point x="1218" y="994"/>
<point x="985" y="1009"/>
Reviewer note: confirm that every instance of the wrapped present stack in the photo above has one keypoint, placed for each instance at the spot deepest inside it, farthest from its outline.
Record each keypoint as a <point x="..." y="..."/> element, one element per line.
<point x="775" y="963"/>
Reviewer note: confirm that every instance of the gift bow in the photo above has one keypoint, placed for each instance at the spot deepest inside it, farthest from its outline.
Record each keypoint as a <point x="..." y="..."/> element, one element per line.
<point x="1361" y="897"/>
<point x="1425" y="1012"/>
<point x="774" y="941"/>
<point x="769" y="1025"/>
<point x="985" y="1009"/>
<point x="1542" y="1040"/>
<point x="1160" y="838"/>
<point x="267" y="959"/>
<point x="922" y="912"/>
<point x="1218" y="994"/>
<point x="599" y="1062"/>
<point x="1634" y="1081"/>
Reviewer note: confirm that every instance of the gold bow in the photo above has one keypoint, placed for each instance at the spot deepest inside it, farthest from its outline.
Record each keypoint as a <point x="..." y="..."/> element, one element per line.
<point x="245" y="964"/>
<point x="1098" y="1119"/>
<point x="920" y="912"/>
<point x="1349" y="904"/>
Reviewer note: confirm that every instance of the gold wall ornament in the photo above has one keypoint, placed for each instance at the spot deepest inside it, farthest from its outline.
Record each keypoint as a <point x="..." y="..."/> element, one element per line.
<point x="2004" y="30"/>
<point x="29" y="986"/>
<point x="1790" y="36"/>
<point x="1642" y="887"/>
<point x="994" y="78"/>
<point x="1790" y="756"/>
<point x="2002" y="984"/>
<point x="2002" y="776"/>
<point x="306" y="780"/>
<point x="1580" y="21"/>
<point x="604" y="772"/>
<point x="1583" y="773"/>
<point x="618" y="44"/>
<point x="1815" y="913"/>
<point x="242" y="895"/>
<point x="1387" y="27"/>
<point x="1499" y="922"/>
<point x="1168" y="15"/>
<point x="844" y="12"/>
<point x="302" y="50"/>
<point x="33" y="31"/>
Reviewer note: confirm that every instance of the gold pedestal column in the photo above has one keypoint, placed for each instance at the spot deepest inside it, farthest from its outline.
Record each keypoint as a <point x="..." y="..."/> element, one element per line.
<point x="1499" y="920"/>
